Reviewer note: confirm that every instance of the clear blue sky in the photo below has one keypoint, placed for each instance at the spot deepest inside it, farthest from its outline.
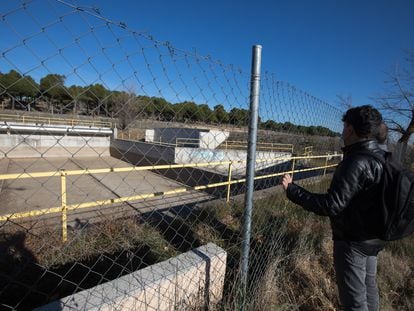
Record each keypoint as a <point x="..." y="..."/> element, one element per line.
<point x="324" y="47"/>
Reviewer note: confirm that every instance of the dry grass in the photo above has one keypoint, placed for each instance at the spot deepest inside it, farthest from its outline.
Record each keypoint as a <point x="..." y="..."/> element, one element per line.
<point x="48" y="250"/>
<point x="300" y="274"/>
<point x="395" y="274"/>
<point x="291" y="253"/>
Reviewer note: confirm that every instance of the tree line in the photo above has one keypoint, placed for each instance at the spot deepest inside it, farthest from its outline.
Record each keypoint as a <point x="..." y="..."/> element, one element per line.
<point x="19" y="92"/>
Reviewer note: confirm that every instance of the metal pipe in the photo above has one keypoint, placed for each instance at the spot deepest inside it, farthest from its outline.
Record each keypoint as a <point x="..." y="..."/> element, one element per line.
<point x="326" y="164"/>
<point x="293" y="168"/>
<point x="250" y="167"/>
<point x="64" y="206"/>
<point x="229" y="184"/>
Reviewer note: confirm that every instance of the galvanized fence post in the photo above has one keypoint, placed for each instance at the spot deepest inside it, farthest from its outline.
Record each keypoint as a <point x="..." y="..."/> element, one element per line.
<point x="229" y="182"/>
<point x="250" y="167"/>
<point x="64" y="205"/>
<point x="326" y="164"/>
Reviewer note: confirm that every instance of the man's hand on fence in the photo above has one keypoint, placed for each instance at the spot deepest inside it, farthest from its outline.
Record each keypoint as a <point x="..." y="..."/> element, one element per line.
<point x="286" y="180"/>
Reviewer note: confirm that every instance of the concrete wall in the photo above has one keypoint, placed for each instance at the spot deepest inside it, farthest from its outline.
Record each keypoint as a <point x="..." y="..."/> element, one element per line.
<point x="141" y="153"/>
<point x="28" y="140"/>
<point x="49" y="129"/>
<point x="202" y="138"/>
<point x="213" y="138"/>
<point x="193" y="279"/>
<point x="194" y="155"/>
<point x="169" y="135"/>
<point x="58" y="145"/>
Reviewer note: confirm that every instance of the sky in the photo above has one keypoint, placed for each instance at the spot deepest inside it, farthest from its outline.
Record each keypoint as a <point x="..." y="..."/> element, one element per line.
<point x="323" y="47"/>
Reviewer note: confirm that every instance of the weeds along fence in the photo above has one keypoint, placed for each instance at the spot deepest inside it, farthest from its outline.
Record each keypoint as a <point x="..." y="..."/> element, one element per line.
<point x="119" y="151"/>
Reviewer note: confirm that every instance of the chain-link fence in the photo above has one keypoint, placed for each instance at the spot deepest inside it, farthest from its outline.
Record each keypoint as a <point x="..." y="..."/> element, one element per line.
<point x="123" y="161"/>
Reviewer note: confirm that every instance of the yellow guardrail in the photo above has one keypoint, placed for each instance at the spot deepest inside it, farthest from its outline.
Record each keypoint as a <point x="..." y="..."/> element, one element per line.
<point x="53" y="121"/>
<point x="308" y="151"/>
<point x="127" y="134"/>
<point x="261" y="146"/>
<point x="64" y="208"/>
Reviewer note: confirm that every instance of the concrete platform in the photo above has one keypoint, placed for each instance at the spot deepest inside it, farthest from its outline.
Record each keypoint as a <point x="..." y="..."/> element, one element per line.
<point x="23" y="195"/>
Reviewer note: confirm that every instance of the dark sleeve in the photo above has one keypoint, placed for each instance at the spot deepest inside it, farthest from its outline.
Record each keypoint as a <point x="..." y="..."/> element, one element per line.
<point x="348" y="180"/>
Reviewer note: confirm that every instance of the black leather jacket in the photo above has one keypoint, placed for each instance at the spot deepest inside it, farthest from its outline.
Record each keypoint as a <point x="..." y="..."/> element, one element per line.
<point x="352" y="199"/>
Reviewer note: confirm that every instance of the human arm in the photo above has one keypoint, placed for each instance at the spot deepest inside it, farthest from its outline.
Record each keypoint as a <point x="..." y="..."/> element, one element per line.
<point x="348" y="180"/>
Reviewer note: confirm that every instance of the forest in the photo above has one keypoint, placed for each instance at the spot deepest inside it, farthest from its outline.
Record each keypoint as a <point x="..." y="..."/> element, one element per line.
<point x="52" y="95"/>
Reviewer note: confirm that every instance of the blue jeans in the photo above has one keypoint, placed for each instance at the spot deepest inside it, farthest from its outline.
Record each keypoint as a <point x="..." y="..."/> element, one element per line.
<point x="356" y="273"/>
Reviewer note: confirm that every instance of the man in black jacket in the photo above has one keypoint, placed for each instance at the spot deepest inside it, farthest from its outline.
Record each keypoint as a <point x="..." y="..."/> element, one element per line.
<point x="351" y="203"/>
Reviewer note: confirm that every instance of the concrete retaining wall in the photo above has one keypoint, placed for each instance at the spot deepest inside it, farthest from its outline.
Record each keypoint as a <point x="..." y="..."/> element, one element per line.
<point x="141" y="153"/>
<point x="201" y="138"/>
<point x="24" y="145"/>
<point x="169" y="135"/>
<point x="31" y="140"/>
<point x="213" y="138"/>
<point x="193" y="279"/>
<point x="195" y="155"/>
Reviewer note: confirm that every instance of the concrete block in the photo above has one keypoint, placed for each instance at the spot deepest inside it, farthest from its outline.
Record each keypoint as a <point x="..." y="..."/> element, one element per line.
<point x="192" y="279"/>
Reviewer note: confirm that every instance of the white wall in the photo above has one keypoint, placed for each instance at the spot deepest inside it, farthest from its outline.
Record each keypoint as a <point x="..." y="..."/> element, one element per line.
<point x="209" y="139"/>
<point x="25" y="145"/>
<point x="198" y="155"/>
<point x="213" y="138"/>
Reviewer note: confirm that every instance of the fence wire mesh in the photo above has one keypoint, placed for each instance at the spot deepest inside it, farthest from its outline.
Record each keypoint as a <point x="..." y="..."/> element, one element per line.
<point x="123" y="156"/>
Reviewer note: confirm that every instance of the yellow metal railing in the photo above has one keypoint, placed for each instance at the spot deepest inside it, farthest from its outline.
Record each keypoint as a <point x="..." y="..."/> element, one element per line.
<point x="53" y="121"/>
<point x="261" y="146"/>
<point x="64" y="208"/>
<point x="308" y="150"/>
<point x="129" y="135"/>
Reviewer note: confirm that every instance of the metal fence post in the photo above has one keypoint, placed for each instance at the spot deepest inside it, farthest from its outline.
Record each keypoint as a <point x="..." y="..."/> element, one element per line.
<point x="229" y="183"/>
<point x="326" y="164"/>
<point x="250" y="166"/>
<point x="64" y="206"/>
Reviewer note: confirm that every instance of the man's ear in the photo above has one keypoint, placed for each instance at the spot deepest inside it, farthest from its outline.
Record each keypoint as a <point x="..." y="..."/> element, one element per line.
<point x="348" y="131"/>
<point x="351" y="130"/>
